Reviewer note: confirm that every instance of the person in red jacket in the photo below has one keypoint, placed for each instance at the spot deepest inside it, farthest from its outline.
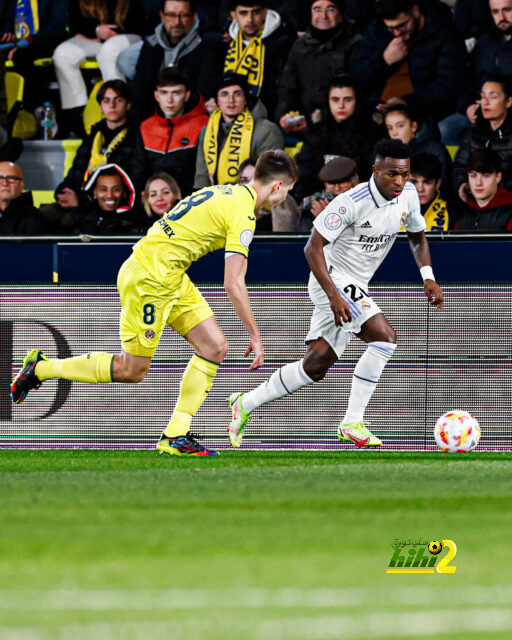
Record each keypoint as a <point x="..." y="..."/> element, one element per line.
<point x="168" y="140"/>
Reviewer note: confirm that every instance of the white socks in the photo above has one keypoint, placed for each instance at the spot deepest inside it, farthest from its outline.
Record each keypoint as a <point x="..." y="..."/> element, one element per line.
<point x="366" y="375"/>
<point x="281" y="383"/>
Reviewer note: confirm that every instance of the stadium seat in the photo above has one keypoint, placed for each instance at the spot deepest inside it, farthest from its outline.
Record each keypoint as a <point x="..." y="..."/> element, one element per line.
<point x="452" y="150"/>
<point x="90" y="63"/>
<point x="42" y="197"/>
<point x="293" y="152"/>
<point x="92" y="112"/>
<point x="14" y="86"/>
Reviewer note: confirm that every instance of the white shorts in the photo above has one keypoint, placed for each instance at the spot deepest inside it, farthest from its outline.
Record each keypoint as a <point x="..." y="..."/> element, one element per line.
<point x="322" y="324"/>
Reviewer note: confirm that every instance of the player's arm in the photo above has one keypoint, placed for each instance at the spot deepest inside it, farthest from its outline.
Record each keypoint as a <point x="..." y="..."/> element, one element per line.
<point x="235" y="268"/>
<point x="314" y="251"/>
<point x="421" y="252"/>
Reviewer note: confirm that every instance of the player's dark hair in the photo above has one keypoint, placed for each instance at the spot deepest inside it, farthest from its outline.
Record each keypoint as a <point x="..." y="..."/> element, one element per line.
<point x="484" y="161"/>
<point x="390" y="9"/>
<point x="390" y="149"/>
<point x="404" y="109"/>
<point x="505" y="83"/>
<point x="191" y="3"/>
<point x="119" y="86"/>
<point x="427" y="165"/>
<point x="275" y="165"/>
<point x="170" y="76"/>
<point x="246" y="3"/>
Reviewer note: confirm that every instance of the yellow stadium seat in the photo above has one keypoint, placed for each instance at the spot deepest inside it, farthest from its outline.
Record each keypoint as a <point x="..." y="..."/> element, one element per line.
<point x="42" y="197"/>
<point x="70" y="147"/>
<point x="90" y="63"/>
<point x="9" y="63"/>
<point x="293" y="152"/>
<point x="452" y="150"/>
<point x="92" y="111"/>
<point x="14" y="87"/>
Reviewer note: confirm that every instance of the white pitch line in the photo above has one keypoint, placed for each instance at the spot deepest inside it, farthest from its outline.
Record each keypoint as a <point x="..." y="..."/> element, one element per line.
<point x="253" y="598"/>
<point x="347" y="627"/>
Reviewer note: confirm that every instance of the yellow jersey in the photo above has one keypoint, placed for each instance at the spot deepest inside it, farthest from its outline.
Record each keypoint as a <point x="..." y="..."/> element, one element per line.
<point x="216" y="217"/>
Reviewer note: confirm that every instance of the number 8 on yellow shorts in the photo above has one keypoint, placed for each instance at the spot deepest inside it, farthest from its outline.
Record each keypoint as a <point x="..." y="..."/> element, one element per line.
<point x="148" y="307"/>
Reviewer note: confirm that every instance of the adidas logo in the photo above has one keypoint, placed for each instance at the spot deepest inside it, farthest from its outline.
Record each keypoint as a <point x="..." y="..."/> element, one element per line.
<point x="366" y="225"/>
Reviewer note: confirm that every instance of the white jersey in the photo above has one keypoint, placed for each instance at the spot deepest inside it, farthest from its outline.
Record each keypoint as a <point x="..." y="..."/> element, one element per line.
<point x="361" y="226"/>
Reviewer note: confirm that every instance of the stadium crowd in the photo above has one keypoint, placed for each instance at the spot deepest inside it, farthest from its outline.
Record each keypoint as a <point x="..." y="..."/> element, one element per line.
<point x="192" y="93"/>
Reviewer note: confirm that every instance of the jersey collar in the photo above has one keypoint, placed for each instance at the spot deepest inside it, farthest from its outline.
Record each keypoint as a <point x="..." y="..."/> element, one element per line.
<point x="378" y="198"/>
<point x="252" y="191"/>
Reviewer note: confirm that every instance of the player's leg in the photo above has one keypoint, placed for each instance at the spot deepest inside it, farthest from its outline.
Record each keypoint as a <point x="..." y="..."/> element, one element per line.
<point x="193" y="319"/>
<point x="381" y="339"/>
<point x="326" y="343"/>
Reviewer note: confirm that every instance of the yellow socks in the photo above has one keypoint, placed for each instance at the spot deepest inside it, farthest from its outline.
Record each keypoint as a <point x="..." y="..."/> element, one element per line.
<point x="91" y="367"/>
<point x="197" y="380"/>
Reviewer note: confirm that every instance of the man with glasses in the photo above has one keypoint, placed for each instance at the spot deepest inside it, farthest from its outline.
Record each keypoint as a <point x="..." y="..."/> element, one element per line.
<point x="177" y="43"/>
<point x="412" y="54"/>
<point x="18" y="216"/>
<point x="326" y="50"/>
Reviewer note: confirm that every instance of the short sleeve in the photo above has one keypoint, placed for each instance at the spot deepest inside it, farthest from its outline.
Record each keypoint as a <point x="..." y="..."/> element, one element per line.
<point x="241" y="222"/>
<point x="337" y="216"/>
<point x="414" y="221"/>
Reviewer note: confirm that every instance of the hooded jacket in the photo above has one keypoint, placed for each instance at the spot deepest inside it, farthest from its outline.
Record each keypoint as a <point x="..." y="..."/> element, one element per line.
<point x="22" y="218"/>
<point x="427" y="140"/>
<point x="278" y="42"/>
<point x="169" y="145"/>
<point x="480" y="135"/>
<point x="266" y="136"/>
<point x="198" y="57"/>
<point x="436" y="62"/>
<point x="89" y="218"/>
<point x="495" y="216"/>
<point x="310" y="66"/>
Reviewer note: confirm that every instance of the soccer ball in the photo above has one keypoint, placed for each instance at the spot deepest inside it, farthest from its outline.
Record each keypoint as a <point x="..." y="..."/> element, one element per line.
<point x="435" y="547"/>
<point x="457" y="431"/>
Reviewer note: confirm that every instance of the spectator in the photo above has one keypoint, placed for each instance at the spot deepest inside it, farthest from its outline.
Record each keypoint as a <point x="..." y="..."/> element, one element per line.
<point x="177" y="43"/>
<point x="150" y="19"/>
<point x="18" y="216"/>
<point x="412" y="54"/>
<point x="492" y="55"/>
<point x="492" y="129"/>
<point x="345" y="129"/>
<point x="160" y="194"/>
<point x="489" y="205"/>
<point x="423" y="137"/>
<point x="107" y="207"/>
<point x="236" y="130"/>
<point x="168" y="141"/>
<point x="326" y="50"/>
<point x="472" y="17"/>
<point x="258" y="49"/>
<point x="93" y="26"/>
<point x="426" y="176"/>
<point x="28" y="47"/>
<point x="338" y="175"/>
<point x="111" y="141"/>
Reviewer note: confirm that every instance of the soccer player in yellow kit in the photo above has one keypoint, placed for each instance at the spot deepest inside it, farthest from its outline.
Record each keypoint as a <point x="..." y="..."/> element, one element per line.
<point x="155" y="291"/>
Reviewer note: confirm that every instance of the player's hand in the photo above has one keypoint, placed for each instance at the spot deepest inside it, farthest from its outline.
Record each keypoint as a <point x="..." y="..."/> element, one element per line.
<point x="255" y="347"/>
<point x="341" y="310"/>
<point x="396" y="51"/>
<point x="434" y="293"/>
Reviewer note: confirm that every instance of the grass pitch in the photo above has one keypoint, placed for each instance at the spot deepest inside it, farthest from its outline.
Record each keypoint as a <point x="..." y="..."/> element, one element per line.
<point x="250" y="545"/>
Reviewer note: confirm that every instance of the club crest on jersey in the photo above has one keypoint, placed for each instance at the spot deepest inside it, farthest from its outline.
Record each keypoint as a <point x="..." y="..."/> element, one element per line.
<point x="150" y="334"/>
<point x="332" y="221"/>
<point x="246" y="237"/>
<point x="403" y="217"/>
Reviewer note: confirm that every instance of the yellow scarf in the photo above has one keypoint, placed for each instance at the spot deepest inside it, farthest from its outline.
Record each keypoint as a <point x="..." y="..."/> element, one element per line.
<point x="99" y="157"/>
<point x="248" y="61"/>
<point x="223" y="167"/>
<point x="436" y="216"/>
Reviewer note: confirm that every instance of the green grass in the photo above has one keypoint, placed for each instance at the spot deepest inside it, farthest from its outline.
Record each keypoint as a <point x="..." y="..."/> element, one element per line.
<point x="250" y="545"/>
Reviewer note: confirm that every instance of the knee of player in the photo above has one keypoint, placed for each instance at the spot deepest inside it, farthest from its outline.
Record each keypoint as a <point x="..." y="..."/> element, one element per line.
<point x="316" y="371"/>
<point x="219" y="351"/>
<point x="388" y="336"/>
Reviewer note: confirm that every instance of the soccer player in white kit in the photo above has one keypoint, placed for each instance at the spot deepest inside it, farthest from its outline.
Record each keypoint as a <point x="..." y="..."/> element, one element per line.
<point x="350" y="239"/>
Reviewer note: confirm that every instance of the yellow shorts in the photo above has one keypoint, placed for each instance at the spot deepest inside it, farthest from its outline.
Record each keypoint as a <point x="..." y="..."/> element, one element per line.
<point x="148" y="307"/>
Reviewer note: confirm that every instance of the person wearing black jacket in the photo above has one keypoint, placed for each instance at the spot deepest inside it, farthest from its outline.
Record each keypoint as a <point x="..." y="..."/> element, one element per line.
<point x="92" y="27"/>
<point x="492" y="130"/>
<point x="18" y="216"/>
<point x="412" y="54"/>
<point x="346" y="129"/>
<point x="111" y="140"/>
<point x="326" y="50"/>
<point x="176" y="42"/>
